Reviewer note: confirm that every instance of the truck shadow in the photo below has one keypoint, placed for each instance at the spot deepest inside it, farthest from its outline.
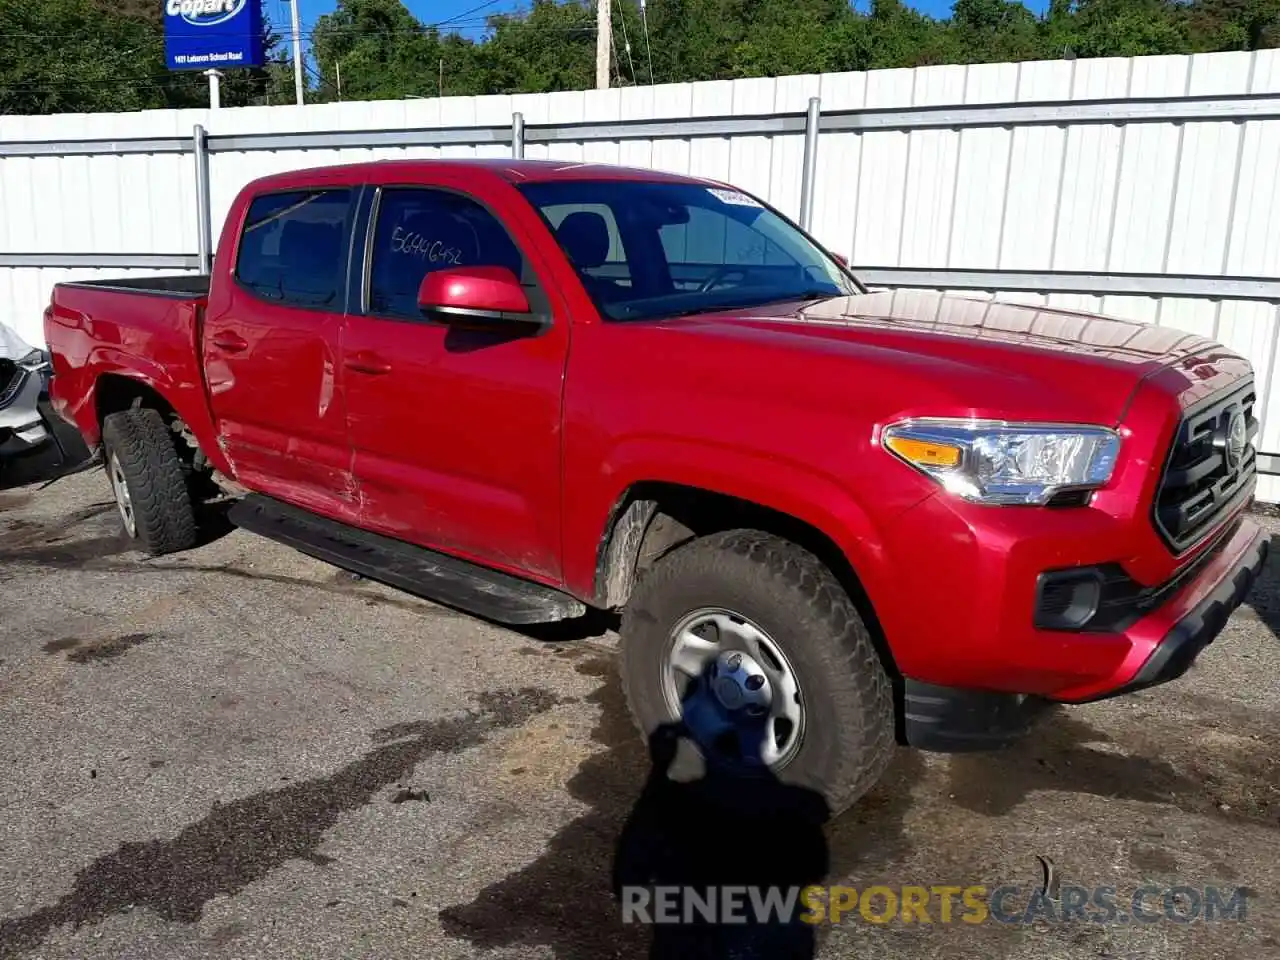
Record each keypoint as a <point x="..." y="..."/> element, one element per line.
<point x="642" y="829"/>
<point x="709" y="836"/>
<point x="1264" y="598"/>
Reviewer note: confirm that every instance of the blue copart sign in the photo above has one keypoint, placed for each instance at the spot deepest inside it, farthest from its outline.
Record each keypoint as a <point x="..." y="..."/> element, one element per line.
<point x="213" y="34"/>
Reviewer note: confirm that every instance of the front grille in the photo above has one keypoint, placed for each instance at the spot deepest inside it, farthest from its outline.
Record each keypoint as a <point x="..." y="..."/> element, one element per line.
<point x="11" y="377"/>
<point x="1203" y="481"/>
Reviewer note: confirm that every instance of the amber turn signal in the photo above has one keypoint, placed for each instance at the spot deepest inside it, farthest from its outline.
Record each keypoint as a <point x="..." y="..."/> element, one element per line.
<point x="924" y="453"/>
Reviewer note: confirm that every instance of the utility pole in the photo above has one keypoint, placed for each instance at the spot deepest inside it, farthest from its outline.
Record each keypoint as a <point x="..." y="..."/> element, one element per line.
<point x="215" y="89"/>
<point x="604" y="34"/>
<point x="297" y="52"/>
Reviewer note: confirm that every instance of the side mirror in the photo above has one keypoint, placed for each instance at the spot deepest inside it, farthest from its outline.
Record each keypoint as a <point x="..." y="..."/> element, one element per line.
<point x="470" y="294"/>
<point x="841" y="259"/>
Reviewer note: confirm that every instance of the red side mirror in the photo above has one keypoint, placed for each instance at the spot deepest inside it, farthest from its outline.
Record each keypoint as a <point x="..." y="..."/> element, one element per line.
<point x="841" y="259"/>
<point x="474" y="293"/>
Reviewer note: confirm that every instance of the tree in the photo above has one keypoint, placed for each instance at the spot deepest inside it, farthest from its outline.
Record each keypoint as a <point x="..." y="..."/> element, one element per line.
<point x="552" y="47"/>
<point x="110" y="52"/>
<point x="997" y="30"/>
<point x="805" y="36"/>
<point x="381" y="49"/>
<point x="109" y="57"/>
<point x="102" y="62"/>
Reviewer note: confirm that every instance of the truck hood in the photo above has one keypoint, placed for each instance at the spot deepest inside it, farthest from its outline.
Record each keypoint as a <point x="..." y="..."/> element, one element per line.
<point x="987" y="356"/>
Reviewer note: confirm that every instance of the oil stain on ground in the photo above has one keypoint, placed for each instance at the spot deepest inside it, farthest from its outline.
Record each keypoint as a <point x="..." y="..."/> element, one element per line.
<point x="58" y="646"/>
<point x="66" y="543"/>
<point x="563" y="899"/>
<point x="90" y="651"/>
<point x="108" y="649"/>
<point x="242" y="841"/>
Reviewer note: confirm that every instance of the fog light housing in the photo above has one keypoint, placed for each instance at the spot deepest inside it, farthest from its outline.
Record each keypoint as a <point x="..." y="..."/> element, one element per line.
<point x="1067" y="599"/>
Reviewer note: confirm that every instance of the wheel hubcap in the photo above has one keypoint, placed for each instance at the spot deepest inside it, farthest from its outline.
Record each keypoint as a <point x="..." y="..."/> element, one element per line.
<point x="124" y="502"/>
<point x="735" y="689"/>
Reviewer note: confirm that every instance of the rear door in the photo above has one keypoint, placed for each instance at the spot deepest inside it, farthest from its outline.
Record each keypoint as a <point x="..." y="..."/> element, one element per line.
<point x="455" y="433"/>
<point x="270" y="341"/>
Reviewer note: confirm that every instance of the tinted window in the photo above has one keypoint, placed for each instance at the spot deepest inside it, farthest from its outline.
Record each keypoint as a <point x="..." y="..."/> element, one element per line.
<point x="292" y="250"/>
<point x="420" y="231"/>
<point x="647" y="249"/>
<point x="712" y="237"/>
<point x="591" y="218"/>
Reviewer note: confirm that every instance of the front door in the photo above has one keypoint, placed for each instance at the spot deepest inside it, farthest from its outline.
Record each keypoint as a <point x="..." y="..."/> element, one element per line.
<point x="270" y="346"/>
<point x="455" y="433"/>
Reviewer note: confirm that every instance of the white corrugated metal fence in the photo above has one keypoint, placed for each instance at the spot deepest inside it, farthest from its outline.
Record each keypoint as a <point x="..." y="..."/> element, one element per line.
<point x="1144" y="188"/>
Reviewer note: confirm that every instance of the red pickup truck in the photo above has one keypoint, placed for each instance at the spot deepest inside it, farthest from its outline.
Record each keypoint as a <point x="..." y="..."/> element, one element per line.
<point x="832" y="519"/>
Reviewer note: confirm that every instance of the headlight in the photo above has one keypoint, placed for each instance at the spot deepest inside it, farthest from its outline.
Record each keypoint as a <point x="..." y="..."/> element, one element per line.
<point x="33" y="361"/>
<point x="990" y="461"/>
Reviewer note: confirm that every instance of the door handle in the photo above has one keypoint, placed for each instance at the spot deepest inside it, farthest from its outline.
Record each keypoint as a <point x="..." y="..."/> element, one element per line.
<point x="231" y="342"/>
<point x="365" y="362"/>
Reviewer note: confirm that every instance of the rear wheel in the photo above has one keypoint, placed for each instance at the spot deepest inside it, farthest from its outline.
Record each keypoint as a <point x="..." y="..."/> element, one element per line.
<point x="148" y="481"/>
<point x="751" y="642"/>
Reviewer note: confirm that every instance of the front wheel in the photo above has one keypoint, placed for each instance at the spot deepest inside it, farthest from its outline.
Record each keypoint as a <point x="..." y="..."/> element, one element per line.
<point x="148" y="481"/>
<point x="752" y="643"/>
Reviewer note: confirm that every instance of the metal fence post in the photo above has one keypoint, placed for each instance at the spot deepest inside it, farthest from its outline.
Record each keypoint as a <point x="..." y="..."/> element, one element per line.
<point x="204" y="214"/>
<point x="810" y="172"/>
<point x="517" y="135"/>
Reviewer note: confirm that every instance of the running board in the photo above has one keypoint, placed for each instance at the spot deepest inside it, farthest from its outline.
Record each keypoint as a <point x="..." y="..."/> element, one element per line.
<point x="425" y="573"/>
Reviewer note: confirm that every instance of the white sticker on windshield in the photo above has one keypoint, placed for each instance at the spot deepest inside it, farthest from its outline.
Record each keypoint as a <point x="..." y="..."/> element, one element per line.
<point x="733" y="197"/>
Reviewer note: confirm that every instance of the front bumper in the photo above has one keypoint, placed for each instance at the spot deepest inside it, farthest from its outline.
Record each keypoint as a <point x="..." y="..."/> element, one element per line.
<point x="1220" y="590"/>
<point x="966" y="618"/>
<point x="22" y="429"/>
<point x="35" y="443"/>
<point x="953" y="720"/>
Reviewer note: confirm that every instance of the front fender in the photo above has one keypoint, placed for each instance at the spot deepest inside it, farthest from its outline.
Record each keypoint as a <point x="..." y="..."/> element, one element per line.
<point x="795" y="489"/>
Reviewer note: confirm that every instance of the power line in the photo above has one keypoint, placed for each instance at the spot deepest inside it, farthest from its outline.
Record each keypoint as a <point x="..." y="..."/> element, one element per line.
<point x="465" y="13"/>
<point x="644" y="20"/>
<point x="626" y="42"/>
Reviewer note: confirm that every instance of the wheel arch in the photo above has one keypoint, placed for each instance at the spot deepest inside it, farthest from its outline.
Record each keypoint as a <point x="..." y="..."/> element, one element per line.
<point x="650" y="518"/>
<point x="115" y="392"/>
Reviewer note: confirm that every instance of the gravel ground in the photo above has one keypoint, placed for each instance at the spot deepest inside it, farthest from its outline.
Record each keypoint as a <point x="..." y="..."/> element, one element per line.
<point x="238" y="752"/>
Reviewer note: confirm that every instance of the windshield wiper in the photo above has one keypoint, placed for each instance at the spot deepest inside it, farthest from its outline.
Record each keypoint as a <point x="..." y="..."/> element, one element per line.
<point x="789" y="296"/>
<point x="816" y="295"/>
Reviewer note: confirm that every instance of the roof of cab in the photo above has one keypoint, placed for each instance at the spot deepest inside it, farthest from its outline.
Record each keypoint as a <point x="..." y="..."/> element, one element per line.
<point x="513" y="171"/>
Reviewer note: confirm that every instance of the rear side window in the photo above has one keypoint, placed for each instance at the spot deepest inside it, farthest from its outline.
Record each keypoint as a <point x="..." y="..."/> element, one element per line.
<point x="419" y="231"/>
<point x="293" y="247"/>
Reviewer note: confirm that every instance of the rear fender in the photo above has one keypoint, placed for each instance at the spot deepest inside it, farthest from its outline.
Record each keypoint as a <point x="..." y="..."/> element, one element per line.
<point x="187" y="399"/>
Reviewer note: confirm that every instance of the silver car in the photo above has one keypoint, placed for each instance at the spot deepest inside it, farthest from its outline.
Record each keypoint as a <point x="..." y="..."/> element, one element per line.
<point x="34" y="442"/>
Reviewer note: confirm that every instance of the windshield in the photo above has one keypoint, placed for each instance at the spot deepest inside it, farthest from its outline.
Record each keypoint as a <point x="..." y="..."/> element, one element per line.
<point x="648" y="249"/>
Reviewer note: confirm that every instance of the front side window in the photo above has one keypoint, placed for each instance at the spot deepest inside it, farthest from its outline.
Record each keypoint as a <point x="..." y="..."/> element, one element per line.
<point x="292" y="250"/>
<point x="419" y="231"/>
<point x="651" y="249"/>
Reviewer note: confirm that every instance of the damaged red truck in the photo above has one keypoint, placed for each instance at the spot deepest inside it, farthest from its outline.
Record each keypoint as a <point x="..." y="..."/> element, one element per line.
<point x="832" y="519"/>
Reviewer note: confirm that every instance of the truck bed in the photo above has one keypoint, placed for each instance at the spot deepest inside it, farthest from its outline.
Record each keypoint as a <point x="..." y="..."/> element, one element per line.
<point x="181" y="285"/>
<point x="145" y="329"/>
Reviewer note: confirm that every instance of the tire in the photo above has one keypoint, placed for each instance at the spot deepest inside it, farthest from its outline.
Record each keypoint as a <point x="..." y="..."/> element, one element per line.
<point x="139" y="445"/>
<point x="847" y="737"/>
